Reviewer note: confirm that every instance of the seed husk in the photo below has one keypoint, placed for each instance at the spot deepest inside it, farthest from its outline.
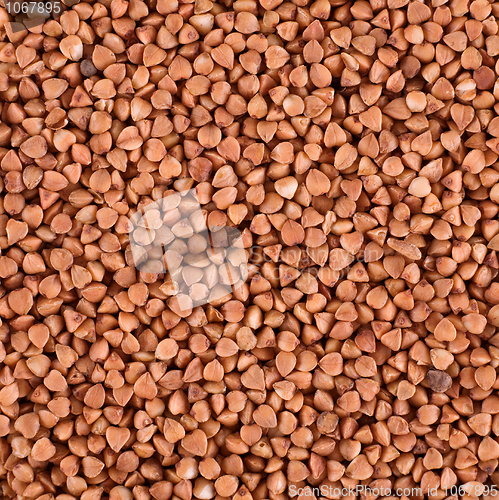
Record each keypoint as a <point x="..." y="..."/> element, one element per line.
<point x="438" y="380"/>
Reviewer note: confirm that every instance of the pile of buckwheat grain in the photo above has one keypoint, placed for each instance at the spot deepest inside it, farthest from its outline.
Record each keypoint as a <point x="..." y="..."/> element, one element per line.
<point x="354" y="146"/>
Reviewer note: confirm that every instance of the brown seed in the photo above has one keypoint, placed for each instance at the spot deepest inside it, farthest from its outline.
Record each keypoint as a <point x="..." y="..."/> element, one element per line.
<point x="276" y="57"/>
<point x="438" y="380"/>
<point x="317" y="183"/>
<point x="265" y="417"/>
<point x="195" y="443"/>
<point x="445" y="331"/>
<point x="117" y="437"/>
<point x="95" y="396"/>
<point x="43" y="450"/>
<point x="292" y="233"/>
<point x="34" y="147"/>
<point x="145" y="387"/>
<point x="127" y="461"/>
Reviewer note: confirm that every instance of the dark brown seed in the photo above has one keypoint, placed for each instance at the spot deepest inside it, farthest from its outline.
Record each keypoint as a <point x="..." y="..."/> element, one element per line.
<point x="438" y="380"/>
